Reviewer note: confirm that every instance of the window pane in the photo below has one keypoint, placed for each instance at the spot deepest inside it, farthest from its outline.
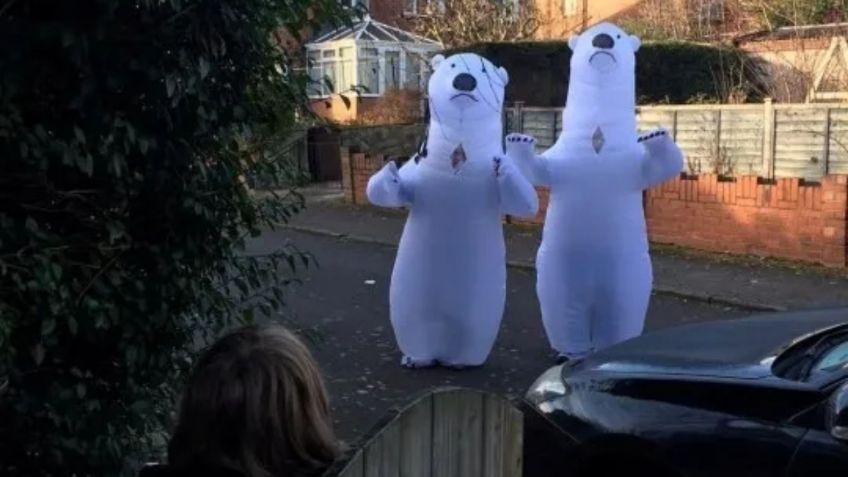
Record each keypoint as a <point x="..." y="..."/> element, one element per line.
<point x="392" y="69"/>
<point x="413" y="71"/>
<point x="369" y="71"/>
<point x="344" y="75"/>
<point x="314" y="70"/>
<point x="329" y="53"/>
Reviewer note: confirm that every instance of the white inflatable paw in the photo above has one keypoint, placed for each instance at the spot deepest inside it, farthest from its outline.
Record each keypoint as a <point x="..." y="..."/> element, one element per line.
<point x="655" y="136"/>
<point x="520" y="146"/>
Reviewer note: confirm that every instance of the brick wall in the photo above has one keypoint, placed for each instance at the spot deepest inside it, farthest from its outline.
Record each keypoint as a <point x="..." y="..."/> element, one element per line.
<point x="786" y="219"/>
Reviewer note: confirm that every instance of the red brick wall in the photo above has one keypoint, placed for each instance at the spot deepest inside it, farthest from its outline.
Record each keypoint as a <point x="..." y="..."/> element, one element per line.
<point x="785" y="219"/>
<point x="357" y="168"/>
<point x="390" y="12"/>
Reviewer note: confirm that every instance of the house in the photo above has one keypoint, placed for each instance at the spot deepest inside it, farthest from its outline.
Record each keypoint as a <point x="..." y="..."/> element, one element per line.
<point x="356" y="66"/>
<point x="561" y="18"/>
<point x="802" y="63"/>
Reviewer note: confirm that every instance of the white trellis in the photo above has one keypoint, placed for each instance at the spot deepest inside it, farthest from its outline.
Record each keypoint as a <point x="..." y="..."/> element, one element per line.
<point x="368" y="56"/>
<point x="837" y="53"/>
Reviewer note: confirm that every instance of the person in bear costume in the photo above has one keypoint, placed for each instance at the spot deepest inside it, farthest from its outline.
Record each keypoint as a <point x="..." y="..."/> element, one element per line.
<point x="594" y="274"/>
<point x="448" y="286"/>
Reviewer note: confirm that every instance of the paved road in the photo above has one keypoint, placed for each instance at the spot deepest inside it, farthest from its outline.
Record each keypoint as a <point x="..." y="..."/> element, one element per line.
<point x="345" y="299"/>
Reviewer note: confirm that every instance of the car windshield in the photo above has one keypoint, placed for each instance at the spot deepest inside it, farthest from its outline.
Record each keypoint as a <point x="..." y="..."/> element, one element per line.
<point x="834" y="359"/>
<point x="824" y="353"/>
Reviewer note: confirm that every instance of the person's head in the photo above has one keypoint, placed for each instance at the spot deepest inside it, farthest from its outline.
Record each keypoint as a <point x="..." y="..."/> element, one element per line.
<point x="255" y="404"/>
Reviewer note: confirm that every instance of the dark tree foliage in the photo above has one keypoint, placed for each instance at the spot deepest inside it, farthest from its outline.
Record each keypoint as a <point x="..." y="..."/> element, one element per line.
<point x="666" y="72"/>
<point x="126" y="129"/>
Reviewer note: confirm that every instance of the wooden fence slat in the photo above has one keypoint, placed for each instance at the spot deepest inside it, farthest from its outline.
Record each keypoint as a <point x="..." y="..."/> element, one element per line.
<point x="493" y="432"/>
<point x="445" y="435"/>
<point x="354" y="468"/>
<point x="416" y="440"/>
<point x="471" y="430"/>
<point x="449" y="433"/>
<point x="513" y="439"/>
<point x="382" y="458"/>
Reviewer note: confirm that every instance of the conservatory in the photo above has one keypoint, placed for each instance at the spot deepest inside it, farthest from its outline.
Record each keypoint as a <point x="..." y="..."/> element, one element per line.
<point x="369" y="57"/>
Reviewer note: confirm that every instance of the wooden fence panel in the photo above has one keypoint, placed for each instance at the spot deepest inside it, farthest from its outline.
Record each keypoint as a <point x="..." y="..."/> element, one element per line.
<point x="449" y="433"/>
<point x="799" y="143"/>
<point x="806" y="141"/>
<point x="838" y="142"/>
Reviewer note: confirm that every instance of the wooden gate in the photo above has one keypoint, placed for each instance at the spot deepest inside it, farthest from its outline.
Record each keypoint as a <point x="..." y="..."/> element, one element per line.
<point x="325" y="161"/>
<point x="446" y="433"/>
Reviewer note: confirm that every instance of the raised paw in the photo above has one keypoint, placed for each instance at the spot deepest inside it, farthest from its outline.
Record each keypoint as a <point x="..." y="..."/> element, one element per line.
<point x="657" y="133"/>
<point x="520" y="146"/>
<point x="392" y="170"/>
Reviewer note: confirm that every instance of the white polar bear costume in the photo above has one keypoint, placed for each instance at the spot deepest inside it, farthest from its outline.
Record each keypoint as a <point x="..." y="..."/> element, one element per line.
<point x="448" y="286"/>
<point x="594" y="274"/>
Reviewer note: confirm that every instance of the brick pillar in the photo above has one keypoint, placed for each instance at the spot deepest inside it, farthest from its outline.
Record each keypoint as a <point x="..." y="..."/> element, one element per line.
<point x="347" y="175"/>
<point x="834" y="203"/>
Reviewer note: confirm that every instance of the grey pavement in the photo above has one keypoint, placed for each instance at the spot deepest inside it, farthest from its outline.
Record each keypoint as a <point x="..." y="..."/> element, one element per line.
<point x="748" y="283"/>
<point x="344" y="302"/>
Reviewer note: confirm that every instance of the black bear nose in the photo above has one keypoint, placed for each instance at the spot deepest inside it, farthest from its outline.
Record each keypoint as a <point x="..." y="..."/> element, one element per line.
<point x="464" y="82"/>
<point x="603" y="41"/>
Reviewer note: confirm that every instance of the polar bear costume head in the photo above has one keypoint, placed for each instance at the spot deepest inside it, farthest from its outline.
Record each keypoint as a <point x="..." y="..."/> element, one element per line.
<point x="466" y="95"/>
<point x="602" y="86"/>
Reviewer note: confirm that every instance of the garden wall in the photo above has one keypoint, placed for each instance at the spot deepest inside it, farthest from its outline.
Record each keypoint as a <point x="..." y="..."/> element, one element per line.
<point x="786" y="218"/>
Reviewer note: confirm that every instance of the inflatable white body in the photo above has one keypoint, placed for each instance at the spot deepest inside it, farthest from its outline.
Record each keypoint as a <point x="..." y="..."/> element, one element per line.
<point x="594" y="271"/>
<point x="449" y="281"/>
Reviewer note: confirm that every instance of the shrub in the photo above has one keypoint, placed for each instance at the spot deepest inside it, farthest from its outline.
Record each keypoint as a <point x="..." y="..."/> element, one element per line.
<point x="125" y="130"/>
<point x="395" y="106"/>
<point x="666" y="72"/>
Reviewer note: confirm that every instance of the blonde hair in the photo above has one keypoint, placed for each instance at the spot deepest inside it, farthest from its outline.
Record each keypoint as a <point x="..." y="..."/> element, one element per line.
<point x="256" y="404"/>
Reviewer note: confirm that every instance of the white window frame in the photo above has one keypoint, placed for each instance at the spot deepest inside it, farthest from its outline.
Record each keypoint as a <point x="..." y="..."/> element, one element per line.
<point x="358" y="57"/>
<point x="339" y="63"/>
<point x="353" y="3"/>
<point x="418" y="6"/>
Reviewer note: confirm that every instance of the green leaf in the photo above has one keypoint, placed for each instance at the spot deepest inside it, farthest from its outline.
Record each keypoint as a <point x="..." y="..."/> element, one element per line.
<point x="38" y="354"/>
<point x="170" y="85"/>
<point x="204" y="67"/>
<point x="79" y="134"/>
<point x="47" y="326"/>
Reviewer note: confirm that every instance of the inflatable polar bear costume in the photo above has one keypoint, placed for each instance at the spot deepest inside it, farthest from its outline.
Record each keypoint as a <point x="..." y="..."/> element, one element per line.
<point x="448" y="286"/>
<point x="594" y="274"/>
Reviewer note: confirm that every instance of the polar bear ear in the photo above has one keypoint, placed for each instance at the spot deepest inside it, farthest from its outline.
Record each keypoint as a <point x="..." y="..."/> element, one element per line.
<point x="572" y="42"/>
<point x="436" y="61"/>
<point x="636" y="42"/>
<point x="503" y="75"/>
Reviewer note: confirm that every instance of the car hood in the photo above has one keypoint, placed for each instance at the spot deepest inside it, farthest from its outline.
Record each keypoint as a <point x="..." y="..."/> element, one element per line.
<point x="742" y="348"/>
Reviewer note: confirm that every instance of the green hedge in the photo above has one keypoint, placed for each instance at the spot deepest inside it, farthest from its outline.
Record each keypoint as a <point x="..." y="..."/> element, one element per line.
<point x="126" y="128"/>
<point x="667" y="72"/>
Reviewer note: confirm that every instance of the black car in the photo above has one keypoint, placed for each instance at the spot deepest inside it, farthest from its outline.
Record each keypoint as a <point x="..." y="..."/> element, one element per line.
<point x="760" y="396"/>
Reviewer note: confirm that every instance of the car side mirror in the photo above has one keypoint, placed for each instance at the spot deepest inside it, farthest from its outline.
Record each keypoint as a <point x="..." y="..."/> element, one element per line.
<point x="837" y="414"/>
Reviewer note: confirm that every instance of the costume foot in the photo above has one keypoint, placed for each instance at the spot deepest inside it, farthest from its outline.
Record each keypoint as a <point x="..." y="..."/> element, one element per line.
<point x="410" y="363"/>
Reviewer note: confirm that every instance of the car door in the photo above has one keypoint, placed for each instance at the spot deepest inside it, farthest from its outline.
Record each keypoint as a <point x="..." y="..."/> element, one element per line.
<point x="818" y="453"/>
